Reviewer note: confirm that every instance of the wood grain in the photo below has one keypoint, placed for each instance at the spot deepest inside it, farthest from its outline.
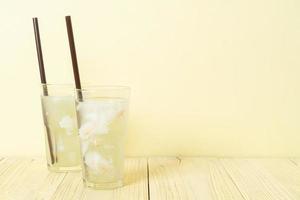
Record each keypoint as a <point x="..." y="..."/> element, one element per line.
<point x="255" y="182"/>
<point x="284" y="171"/>
<point x="190" y="178"/>
<point x="159" y="178"/>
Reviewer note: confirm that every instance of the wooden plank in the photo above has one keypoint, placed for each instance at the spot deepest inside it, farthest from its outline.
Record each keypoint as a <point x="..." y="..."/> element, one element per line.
<point x="70" y="188"/>
<point x="223" y="186"/>
<point x="24" y="179"/>
<point x="135" y="185"/>
<point x="169" y="178"/>
<point x="5" y="163"/>
<point x="166" y="180"/>
<point x="189" y="178"/>
<point x="11" y="172"/>
<point x="11" y="169"/>
<point x="285" y="171"/>
<point x="46" y="183"/>
<point x="255" y="182"/>
<point x="48" y="187"/>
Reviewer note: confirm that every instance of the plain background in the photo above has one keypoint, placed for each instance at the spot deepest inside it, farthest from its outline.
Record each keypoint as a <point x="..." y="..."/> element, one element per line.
<point x="208" y="77"/>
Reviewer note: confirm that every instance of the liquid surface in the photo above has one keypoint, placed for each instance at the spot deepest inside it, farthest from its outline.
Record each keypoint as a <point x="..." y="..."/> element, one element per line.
<point x="63" y="151"/>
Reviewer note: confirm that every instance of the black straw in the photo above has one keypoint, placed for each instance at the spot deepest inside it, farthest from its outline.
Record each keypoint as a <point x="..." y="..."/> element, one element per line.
<point x="43" y="80"/>
<point x="73" y="56"/>
<point x="40" y="54"/>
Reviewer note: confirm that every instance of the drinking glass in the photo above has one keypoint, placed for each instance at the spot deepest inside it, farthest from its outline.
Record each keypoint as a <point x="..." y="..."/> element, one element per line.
<point x="102" y="113"/>
<point x="62" y="142"/>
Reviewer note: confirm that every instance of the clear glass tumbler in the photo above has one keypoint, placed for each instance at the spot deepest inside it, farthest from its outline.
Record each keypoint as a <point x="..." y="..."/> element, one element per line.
<point x="102" y="113"/>
<point x="62" y="142"/>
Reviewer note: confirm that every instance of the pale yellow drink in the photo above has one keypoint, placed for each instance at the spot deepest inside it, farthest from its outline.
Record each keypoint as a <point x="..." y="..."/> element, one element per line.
<point x="62" y="142"/>
<point x="102" y="125"/>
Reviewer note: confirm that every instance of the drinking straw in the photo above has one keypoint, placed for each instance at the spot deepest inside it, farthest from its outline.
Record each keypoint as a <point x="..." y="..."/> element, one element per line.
<point x="43" y="78"/>
<point x="40" y="54"/>
<point x="73" y="56"/>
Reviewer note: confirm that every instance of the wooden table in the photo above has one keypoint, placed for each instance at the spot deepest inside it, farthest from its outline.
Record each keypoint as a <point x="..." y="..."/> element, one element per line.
<point x="160" y="178"/>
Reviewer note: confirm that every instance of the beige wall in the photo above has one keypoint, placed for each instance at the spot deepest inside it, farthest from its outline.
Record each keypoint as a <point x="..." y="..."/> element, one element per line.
<point x="208" y="77"/>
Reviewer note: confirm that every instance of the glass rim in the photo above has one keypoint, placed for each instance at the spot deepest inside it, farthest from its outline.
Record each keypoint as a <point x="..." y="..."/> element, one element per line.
<point x="58" y="84"/>
<point x="87" y="88"/>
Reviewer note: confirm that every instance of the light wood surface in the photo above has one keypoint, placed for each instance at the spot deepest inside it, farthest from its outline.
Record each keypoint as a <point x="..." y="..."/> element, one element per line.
<point x="159" y="178"/>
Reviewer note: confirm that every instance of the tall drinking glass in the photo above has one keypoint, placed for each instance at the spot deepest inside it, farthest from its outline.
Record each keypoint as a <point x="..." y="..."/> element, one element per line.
<point x="62" y="142"/>
<point x="102" y="113"/>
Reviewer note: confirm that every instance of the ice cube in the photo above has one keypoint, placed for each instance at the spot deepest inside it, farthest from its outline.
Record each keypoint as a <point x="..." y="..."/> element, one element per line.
<point x="87" y="106"/>
<point x="96" y="162"/>
<point x="67" y="123"/>
<point x="89" y="130"/>
<point x="97" y="115"/>
<point x="91" y="116"/>
<point x="86" y="130"/>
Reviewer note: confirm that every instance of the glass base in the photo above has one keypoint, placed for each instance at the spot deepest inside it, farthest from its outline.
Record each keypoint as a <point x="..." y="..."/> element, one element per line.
<point x="103" y="186"/>
<point x="64" y="169"/>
